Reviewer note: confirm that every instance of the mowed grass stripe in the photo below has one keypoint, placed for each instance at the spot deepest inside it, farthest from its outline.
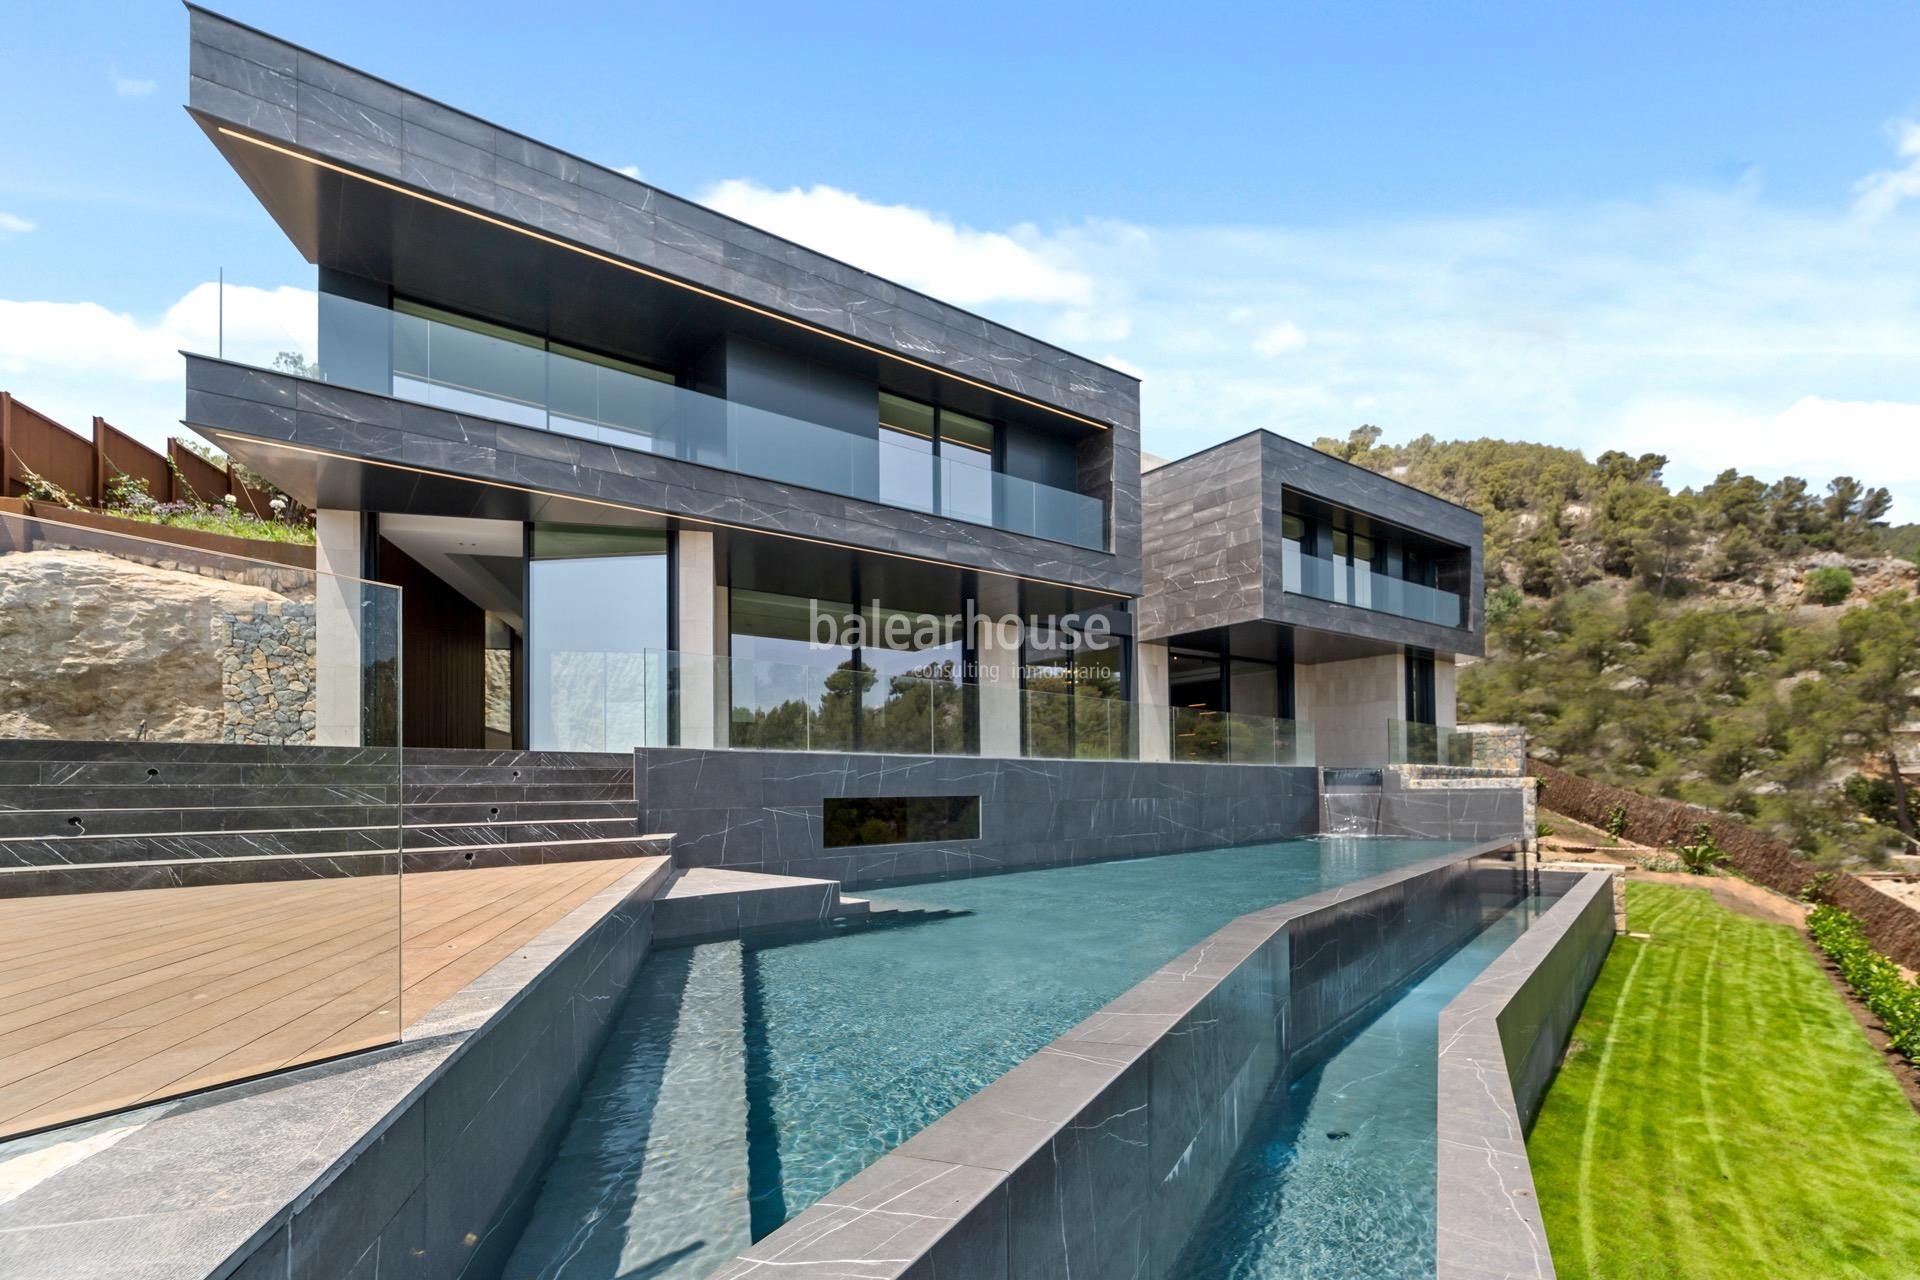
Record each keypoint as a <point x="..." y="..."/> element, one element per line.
<point x="1724" y="1116"/>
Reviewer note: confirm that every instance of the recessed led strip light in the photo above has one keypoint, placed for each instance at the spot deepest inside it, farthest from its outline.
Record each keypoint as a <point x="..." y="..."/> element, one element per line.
<point x="662" y="277"/>
<point x="664" y="515"/>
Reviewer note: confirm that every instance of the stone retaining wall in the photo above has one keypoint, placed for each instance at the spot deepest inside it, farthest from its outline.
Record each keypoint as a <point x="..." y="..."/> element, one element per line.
<point x="267" y="673"/>
<point x="1892" y="927"/>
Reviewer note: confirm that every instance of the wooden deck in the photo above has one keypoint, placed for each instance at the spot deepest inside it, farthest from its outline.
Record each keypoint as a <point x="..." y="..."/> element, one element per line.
<point x="109" y="1000"/>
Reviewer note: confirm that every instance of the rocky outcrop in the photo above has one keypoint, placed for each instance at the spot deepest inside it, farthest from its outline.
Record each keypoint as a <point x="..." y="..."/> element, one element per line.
<point x="95" y="646"/>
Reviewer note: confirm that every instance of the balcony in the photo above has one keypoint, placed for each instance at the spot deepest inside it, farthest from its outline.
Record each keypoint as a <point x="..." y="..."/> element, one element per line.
<point x="1343" y="580"/>
<point x="497" y="373"/>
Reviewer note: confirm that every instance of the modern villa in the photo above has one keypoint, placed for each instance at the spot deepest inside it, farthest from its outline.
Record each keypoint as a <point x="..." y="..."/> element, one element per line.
<point x="673" y="580"/>
<point x="638" y="447"/>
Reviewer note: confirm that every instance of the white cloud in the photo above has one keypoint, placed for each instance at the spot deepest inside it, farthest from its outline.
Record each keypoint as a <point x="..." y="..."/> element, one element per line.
<point x="631" y="170"/>
<point x="1877" y="194"/>
<point x="914" y="247"/>
<point x="73" y="360"/>
<point x="131" y="86"/>
<point x="12" y="224"/>
<point x="1876" y="441"/>
<point x="1277" y="340"/>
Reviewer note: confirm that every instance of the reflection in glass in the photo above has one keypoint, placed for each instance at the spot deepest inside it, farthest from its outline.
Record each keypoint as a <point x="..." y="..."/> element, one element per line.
<point x="915" y="702"/>
<point x="966" y="467"/>
<point x="1330" y="553"/>
<point x="469" y="366"/>
<point x="1076" y="705"/>
<point x="793" y="686"/>
<point x="597" y="609"/>
<point x="906" y="453"/>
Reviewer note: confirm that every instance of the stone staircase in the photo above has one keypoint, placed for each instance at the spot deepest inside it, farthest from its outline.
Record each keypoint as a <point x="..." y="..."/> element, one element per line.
<point x="81" y="817"/>
<point x="508" y="808"/>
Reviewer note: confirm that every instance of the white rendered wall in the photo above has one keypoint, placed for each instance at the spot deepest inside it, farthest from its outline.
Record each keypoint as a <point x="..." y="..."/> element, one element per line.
<point x="337" y="626"/>
<point x="1349" y="704"/>
<point x="997" y="654"/>
<point x="701" y="614"/>
<point x="1151" y="698"/>
<point x="1446" y="690"/>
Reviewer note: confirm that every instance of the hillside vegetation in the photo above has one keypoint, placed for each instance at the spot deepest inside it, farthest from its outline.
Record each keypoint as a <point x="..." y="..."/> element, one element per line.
<point x="1750" y="647"/>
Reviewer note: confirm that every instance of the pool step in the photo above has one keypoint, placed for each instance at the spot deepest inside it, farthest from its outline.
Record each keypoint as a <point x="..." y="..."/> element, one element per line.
<point x="710" y="903"/>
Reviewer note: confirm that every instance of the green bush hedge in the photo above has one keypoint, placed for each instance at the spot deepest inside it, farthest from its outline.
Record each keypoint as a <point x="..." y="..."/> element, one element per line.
<point x="1894" y="1000"/>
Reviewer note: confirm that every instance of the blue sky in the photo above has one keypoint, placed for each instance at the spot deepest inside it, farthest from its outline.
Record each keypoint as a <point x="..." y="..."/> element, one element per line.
<point x="1694" y="229"/>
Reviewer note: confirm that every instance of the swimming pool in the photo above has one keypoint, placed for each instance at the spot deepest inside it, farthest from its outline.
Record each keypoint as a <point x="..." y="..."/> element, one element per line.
<point x="743" y="1083"/>
<point x="1337" y="1175"/>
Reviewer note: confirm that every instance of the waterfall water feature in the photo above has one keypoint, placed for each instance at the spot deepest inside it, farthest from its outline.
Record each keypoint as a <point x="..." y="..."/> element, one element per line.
<point x="1350" y="802"/>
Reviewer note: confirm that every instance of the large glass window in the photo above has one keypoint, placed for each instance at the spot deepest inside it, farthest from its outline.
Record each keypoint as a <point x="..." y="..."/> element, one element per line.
<point x="813" y="675"/>
<point x="966" y="467"/>
<point x="591" y="391"/>
<point x="597" y="613"/>
<point x="915" y="702"/>
<point x="936" y="460"/>
<point x="1075" y="684"/>
<point x="1330" y="553"/>
<point x="906" y="453"/>
<point x="795" y="687"/>
<point x="467" y="365"/>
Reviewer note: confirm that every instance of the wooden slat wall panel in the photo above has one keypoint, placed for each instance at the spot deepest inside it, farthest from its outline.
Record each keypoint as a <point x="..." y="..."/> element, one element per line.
<point x="443" y="639"/>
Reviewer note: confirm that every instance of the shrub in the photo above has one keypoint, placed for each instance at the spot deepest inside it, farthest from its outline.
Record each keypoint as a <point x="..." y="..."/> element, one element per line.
<point x="1876" y="979"/>
<point x="1617" y="821"/>
<point x="1830" y="585"/>
<point x="1542" y="829"/>
<point x="1700" y="854"/>
<point x="1819" y="885"/>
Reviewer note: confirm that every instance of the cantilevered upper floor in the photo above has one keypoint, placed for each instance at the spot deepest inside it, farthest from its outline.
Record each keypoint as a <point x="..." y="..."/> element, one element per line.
<point x="531" y="319"/>
<point x="1262" y="531"/>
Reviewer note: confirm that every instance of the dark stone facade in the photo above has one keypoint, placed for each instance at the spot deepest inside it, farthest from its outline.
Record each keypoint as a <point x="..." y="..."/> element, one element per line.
<point x="1212" y="548"/>
<point x="236" y="403"/>
<point x="761" y="810"/>
<point x="267" y="88"/>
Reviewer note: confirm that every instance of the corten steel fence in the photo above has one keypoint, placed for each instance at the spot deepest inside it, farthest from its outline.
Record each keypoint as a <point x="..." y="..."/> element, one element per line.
<point x="33" y="444"/>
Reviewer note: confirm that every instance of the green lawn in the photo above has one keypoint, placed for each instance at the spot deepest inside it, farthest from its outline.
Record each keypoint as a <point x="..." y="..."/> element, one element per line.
<point x="1722" y="1115"/>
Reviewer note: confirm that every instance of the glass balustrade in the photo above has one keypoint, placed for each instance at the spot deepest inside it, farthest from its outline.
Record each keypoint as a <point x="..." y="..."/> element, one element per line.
<point x="1077" y="726"/>
<point x="1411" y="743"/>
<point x="1230" y="738"/>
<point x="615" y="701"/>
<point x="1345" y="582"/>
<point x="200" y="818"/>
<point x="496" y="373"/>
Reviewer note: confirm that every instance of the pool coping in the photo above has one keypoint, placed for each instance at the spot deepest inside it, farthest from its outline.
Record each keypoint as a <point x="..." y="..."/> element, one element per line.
<point x="308" y="1172"/>
<point x="1487" y="1215"/>
<point x="1047" y="1138"/>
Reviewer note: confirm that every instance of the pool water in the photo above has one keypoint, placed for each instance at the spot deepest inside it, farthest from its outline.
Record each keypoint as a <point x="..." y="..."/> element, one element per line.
<point x="808" y="1057"/>
<point x="1337" y="1177"/>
